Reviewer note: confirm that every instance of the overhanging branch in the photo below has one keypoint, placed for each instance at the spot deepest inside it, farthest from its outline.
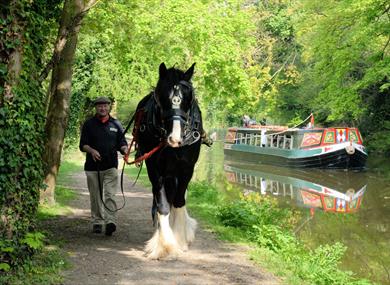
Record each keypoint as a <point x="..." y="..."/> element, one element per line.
<point x="63" y="38"/>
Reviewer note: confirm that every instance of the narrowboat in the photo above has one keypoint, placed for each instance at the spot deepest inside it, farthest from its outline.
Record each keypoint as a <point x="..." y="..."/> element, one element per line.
<point x="334" y="148"/>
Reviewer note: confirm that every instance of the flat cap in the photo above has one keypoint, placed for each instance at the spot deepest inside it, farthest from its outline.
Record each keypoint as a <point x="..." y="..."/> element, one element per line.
<point x="102" y="100"/>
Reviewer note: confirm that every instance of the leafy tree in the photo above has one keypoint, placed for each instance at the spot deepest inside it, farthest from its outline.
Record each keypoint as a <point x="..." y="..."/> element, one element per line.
<point x="281" y="54"/>
<point x="346" y="49"/>
<point x="218" y="35"/>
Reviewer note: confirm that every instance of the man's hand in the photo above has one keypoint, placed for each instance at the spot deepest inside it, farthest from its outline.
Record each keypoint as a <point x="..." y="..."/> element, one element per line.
<point x="95" y="154"/>
<point x="124" y="150"/>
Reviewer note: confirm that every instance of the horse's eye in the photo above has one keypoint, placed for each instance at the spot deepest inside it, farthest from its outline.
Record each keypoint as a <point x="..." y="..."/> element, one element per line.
<point x="185" y="89"/>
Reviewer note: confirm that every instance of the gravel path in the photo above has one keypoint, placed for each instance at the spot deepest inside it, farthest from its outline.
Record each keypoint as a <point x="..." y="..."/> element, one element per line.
<point x="119" y="259"/>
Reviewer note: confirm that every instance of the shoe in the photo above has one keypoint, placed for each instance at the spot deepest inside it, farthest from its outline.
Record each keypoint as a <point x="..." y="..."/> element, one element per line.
<point x="97" y="229"/>
<point x="110" y="228"/>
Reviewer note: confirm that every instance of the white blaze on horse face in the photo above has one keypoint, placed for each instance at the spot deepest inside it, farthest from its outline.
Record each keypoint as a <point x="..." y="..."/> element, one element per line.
<point x="174" y="138"/>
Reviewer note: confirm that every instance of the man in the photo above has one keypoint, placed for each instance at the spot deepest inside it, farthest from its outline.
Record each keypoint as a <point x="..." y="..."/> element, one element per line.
<point x="101" y="138"/>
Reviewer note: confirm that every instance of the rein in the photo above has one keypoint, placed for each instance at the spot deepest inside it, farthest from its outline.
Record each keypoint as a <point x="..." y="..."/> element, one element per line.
<point x="146" y="155"/>
<point x="138" y="117"/>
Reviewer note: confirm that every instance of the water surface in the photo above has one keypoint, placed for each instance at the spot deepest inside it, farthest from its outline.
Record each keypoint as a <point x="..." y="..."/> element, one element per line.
<point x="335" y="205"/>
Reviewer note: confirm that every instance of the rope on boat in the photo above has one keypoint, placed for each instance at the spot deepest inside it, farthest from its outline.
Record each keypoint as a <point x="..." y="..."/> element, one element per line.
<point x="281" y="132"/>
<point x="288" y="129"/>
<point x="292" y="128"/>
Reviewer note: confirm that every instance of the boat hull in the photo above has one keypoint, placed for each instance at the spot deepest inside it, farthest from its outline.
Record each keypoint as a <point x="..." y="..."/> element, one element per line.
<point x="337" y="159"/>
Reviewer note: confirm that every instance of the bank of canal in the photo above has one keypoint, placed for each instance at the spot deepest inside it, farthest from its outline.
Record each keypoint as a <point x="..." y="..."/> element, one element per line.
<point x="355" y="211"/>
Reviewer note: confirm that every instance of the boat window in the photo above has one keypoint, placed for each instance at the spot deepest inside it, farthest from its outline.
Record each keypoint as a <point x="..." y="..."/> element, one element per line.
<point x="274" y="141"/>
<point x="280" y="141"/>
<point x="270" y="139"/>
<point x="230" y="137"/>
<point x="287" y="142"/>
<point x="239" y="138"/>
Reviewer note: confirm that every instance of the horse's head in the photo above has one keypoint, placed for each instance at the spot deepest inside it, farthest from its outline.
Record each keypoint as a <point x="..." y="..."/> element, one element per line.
<point x="174" y="95"/>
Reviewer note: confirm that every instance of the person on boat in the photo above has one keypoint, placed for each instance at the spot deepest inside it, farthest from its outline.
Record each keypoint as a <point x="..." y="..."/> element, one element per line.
<point x="263" y="138"/>
<point x="247" y="121"/>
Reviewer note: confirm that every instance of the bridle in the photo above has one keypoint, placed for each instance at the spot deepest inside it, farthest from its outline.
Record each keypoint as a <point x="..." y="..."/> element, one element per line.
<point x="190" y="119"/>
<point x="176" y="98"/>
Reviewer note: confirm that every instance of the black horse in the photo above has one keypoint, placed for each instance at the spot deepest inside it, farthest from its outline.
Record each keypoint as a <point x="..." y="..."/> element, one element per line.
<point x="169" y="122"/>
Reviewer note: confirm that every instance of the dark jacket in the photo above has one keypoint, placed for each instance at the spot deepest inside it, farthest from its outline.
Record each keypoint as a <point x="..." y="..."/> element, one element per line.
<point x="107" y="138"/>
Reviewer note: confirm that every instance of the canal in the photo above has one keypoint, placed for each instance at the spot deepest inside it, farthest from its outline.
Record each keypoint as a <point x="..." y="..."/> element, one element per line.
<point x="344" y="206"/>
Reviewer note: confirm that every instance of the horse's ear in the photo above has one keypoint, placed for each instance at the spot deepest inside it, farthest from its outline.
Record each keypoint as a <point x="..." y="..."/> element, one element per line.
<point x="162" y="70"/>
<point x="188" y="74"/>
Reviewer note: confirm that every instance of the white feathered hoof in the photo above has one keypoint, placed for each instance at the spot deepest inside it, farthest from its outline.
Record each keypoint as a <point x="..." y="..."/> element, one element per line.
<point x="163" y="242"/>
<point x="183" y="227"/>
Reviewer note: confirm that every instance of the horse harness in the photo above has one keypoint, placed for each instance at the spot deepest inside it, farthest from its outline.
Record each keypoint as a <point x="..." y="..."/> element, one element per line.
<point x="151" y="119"/>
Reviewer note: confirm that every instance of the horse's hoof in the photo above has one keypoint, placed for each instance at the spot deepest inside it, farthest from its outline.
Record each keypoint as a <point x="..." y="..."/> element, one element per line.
<point x="166" y="253"/>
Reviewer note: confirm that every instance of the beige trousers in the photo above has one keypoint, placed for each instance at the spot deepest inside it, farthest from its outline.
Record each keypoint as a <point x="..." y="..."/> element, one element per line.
<point x="109" y="183"/>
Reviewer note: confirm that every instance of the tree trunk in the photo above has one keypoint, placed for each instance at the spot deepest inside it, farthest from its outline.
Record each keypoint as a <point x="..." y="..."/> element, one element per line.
<point x="12" y="57"/>
<point x="59" y="93"/>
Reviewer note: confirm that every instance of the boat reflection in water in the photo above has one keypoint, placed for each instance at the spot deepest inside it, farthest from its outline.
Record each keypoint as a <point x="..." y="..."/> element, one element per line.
<point x="329" y="191"/>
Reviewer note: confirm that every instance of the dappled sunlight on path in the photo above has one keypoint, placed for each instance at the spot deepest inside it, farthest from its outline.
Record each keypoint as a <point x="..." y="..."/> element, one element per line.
<point x="119" y="259"/>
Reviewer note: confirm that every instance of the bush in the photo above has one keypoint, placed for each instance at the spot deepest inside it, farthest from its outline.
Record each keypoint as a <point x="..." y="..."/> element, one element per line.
<point x="253" y="210"/>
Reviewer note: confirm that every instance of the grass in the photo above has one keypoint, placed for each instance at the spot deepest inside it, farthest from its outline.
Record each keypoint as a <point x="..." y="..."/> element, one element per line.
<point x="266" y="229"/>
<point x="45" y="265"/>
<point x="42" y="268"/>
<point x="62" y="197"/>
<point x="132" y="172"/>
<point x="72" y="162"/>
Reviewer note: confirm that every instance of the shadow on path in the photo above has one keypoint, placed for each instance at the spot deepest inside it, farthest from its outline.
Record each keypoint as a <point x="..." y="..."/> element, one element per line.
<point x="119" y="259"/>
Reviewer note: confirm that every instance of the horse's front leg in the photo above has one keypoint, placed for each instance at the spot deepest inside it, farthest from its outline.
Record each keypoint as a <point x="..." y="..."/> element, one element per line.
<point x="183" y="225"/>
<point x="163" y="242"/>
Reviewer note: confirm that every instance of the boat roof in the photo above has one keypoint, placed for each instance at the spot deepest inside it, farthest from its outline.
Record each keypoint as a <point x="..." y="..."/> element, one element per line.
<point x="276" y="128"/>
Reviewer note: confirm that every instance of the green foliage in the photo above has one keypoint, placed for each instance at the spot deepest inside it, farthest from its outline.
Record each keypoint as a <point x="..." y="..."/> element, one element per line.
<point x="44" y="265"/>
<point x="201" y="190"/>
<point x="83" y="80"/>
<point x="33" y="240"/>
<point x="218" y="36"/>
<point x="43" y="268"/>
<point x="27" y="28"/>
<point x="14" y="252"/>
<point x="272" y="237"/>
<point x="133" y="172"/>
<point x="346" y="54"/>
<point x="280" y="60"/>
<point x="252" y="211"/>
<point x="267" y="228"/>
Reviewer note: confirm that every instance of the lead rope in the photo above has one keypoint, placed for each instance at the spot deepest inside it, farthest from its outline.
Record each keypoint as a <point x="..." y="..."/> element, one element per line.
<point x="101" y="193"/>
<point x="145" y="156"/>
